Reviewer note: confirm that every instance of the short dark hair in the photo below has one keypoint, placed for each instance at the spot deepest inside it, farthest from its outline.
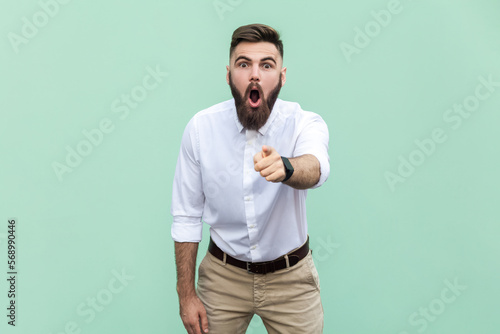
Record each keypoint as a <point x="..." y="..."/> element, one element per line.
<point x="256" y="33"/>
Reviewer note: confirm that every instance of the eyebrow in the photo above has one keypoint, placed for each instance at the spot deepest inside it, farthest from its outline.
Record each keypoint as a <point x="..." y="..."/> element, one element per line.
<point x="248" y="59"/>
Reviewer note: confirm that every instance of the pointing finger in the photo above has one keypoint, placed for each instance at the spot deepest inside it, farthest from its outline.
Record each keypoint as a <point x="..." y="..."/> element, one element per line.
<point x="266" y="151"/>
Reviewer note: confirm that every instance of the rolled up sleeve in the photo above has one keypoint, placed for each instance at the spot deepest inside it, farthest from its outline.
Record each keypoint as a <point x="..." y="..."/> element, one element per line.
<point x="313" y="139"/>
<point x="187" y="195"/>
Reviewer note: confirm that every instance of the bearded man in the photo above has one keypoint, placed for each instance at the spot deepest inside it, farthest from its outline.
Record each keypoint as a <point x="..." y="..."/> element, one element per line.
<point x="244" y="168"/>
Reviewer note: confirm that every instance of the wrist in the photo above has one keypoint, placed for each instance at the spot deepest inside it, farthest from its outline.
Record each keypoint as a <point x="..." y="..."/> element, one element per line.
<point x="185" y="293"/>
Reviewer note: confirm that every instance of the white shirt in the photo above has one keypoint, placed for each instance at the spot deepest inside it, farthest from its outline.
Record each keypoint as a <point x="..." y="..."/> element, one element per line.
<point x="215" y="181"/>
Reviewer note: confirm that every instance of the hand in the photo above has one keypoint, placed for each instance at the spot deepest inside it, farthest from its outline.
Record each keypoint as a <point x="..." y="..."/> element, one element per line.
<point x="192" y="313"/>
<point x="268" y="162"/>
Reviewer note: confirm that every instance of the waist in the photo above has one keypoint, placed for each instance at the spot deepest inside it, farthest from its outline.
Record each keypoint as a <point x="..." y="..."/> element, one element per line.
<point x="286" y="261"/>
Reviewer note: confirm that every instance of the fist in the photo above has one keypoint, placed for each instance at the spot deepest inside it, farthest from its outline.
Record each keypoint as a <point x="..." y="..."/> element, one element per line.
<point x="268" y="162"/>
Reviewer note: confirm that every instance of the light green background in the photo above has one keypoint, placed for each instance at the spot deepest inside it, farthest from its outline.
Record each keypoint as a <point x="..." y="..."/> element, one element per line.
<point x="381" y="254"/>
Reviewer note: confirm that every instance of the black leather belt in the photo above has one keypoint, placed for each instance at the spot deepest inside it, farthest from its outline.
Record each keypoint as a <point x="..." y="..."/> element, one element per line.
<point x="262" y="267"/>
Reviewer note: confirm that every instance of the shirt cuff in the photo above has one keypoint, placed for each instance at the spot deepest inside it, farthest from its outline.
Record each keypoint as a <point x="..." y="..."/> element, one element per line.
<point x="187" y="229"/>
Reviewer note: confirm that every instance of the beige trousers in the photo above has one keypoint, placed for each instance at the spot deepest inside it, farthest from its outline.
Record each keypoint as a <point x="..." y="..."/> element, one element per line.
<point x="288" y="300"/>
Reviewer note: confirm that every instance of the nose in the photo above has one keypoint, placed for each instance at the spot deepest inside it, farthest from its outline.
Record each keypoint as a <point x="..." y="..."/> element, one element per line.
<point x="255" y="74"/>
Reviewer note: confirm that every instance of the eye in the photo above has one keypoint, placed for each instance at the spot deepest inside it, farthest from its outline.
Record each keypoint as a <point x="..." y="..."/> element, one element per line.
<point x="267" y="66"/>
<point x="243" y="65"/>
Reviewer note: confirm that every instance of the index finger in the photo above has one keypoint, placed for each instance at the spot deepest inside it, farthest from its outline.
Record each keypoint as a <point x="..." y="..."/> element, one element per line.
<point x="266" y="151"/>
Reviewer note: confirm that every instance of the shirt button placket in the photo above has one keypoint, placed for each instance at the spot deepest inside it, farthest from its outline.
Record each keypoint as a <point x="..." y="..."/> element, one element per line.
<point x="248" y="177"/>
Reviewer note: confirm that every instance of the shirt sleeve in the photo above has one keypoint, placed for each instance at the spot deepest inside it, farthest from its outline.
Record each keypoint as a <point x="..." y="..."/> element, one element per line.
<point x="187" y="195"/>
<point x="313" y="139"/>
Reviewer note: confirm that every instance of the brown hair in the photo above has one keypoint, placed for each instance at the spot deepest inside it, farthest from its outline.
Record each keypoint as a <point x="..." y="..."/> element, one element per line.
<point x="256" y="33"/>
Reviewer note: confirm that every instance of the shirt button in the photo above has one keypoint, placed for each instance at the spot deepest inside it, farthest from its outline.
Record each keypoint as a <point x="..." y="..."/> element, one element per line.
<point x="248" y="198"/>
<point x="253" y="247"/>
<point x="252" y="226"/>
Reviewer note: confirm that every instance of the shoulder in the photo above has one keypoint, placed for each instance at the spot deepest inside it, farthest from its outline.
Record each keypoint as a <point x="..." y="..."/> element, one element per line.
<point x="293" y="110"/>
<point x="211" y="115"/>
<point x="217" y="110"/>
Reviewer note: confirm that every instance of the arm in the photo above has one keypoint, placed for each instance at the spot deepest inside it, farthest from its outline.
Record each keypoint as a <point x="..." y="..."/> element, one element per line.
<point x="187" y="208"/>
<point x="192" y="310"/>
<point x="306" y="168"/>
<point x="306" y="172"/>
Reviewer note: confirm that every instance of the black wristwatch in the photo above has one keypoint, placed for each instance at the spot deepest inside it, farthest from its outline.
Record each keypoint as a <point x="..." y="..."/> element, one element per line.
<point x="288" y="168"/>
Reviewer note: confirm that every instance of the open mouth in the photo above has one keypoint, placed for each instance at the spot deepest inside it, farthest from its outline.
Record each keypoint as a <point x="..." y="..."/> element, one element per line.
<point x="254" y="98"/>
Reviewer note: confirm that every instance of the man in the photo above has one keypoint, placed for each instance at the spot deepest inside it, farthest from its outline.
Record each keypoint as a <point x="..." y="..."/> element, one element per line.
<point x="243" y="168"/>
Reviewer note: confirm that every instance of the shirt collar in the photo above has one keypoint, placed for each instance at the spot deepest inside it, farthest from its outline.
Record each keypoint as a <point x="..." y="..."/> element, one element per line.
<point x="263" y="130"/>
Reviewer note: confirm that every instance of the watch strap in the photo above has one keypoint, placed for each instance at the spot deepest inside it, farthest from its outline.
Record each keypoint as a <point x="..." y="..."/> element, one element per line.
<point x="288" y="168"/>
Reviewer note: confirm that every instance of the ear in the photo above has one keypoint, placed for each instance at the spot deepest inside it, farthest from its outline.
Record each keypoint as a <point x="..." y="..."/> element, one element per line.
<point x="283" y="76"/>
<point x="227" y="74"/>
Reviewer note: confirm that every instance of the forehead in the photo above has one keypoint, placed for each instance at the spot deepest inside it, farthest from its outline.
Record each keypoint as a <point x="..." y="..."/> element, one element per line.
<point x="256" y="51"/>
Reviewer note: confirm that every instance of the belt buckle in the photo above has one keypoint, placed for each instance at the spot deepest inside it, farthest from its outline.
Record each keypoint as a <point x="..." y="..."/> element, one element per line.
<point x="248" y="268"/>
<point x="253" y="268"/>
<point x="260" y="268"/>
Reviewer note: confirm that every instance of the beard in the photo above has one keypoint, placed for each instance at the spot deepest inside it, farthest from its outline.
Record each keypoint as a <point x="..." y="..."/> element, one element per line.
<point x="254" y="118"/>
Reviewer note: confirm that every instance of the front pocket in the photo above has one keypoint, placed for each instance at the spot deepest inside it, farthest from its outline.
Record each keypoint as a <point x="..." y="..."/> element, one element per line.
<point x="314" y="272"/>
